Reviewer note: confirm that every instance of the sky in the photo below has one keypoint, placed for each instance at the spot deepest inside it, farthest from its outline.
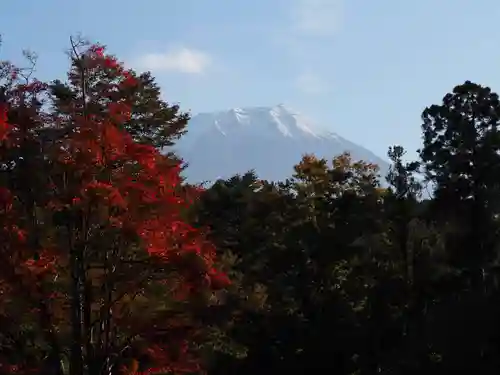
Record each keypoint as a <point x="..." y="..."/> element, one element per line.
<point x="365" y="69"/>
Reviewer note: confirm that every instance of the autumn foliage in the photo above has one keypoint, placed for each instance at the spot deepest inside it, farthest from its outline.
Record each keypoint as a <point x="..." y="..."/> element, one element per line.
<point x="98" y="271"/>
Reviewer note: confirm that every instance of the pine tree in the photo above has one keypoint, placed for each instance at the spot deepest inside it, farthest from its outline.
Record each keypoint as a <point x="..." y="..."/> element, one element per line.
<point x="153" y="121"/>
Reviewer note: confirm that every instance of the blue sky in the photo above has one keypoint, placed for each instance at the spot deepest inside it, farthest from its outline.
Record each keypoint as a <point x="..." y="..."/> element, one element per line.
<point x="363" y="68"/>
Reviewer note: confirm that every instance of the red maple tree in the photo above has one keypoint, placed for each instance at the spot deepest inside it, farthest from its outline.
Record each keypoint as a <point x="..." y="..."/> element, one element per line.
<point x="99" y="274"/>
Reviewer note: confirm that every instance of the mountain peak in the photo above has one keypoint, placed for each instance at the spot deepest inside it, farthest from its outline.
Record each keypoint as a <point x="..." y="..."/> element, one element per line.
<point x="270" y="140"/>
<point x="283" y="107"/>
<point x="278" y="120"/>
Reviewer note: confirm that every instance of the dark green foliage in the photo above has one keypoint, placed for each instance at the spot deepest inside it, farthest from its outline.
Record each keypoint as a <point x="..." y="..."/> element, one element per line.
<point x="153" y="122"/>
<point x="358" y="279"/>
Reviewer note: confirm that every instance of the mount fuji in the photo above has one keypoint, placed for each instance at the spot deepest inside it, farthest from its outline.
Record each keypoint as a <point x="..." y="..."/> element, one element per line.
<point x="269" y="140"/>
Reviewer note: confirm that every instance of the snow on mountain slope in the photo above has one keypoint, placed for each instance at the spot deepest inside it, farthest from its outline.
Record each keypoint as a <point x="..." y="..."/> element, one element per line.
<point x="270" y="140"/>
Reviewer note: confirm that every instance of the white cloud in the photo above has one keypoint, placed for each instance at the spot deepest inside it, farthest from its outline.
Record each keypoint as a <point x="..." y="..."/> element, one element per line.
<point x="311" y="84"/>
<point x="183" y="60"/>
<point x="318" y="17"/>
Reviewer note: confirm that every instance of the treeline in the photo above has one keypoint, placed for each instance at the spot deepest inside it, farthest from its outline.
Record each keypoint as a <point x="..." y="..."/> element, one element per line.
<point x="110" y="263"/>
<point x="342" y="276"/>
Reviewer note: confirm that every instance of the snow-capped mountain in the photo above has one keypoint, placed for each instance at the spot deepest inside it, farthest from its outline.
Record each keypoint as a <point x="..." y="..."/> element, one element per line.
<point x="270" y="140"/>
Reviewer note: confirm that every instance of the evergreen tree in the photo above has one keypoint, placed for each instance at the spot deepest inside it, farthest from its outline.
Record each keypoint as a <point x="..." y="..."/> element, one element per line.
<point x="153" y="121"/>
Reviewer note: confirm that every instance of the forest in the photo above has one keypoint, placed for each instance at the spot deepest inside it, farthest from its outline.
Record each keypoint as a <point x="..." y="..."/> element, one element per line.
<point x="111" y="263"/>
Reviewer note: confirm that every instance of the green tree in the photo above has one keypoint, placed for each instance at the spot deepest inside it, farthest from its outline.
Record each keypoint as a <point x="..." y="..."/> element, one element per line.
<point x="309" y="241"/>
<point x="154" y="122"/>
<point x="461" y="156"/>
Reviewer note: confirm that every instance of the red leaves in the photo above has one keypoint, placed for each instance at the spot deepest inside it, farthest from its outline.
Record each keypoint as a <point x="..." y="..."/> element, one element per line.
<point x="119" y="112"/>
<point x="6" y="200"/>
<point x="18" y="233"/>
<point x="218" y="280"/>
<point x="169" y="358"/>
<point x="104" y="193"/>
<point x="110" y="63"/>
<point x="145" y="155"/>
<point x="145" y="185"/>
<point x="100" y="59"/>
<point x="43" y="263"/>
<point x="97" y="50"/>
<point x="4" y="125"/>
<point x="129" y="80"/>
<point x="99" y="184"/>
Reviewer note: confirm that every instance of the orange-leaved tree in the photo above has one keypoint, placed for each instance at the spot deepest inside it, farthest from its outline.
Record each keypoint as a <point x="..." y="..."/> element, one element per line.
<point x="98" y="271"/>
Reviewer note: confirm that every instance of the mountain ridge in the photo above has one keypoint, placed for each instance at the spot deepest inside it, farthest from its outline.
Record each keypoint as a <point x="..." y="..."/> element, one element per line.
<point x="269" y="140"/>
